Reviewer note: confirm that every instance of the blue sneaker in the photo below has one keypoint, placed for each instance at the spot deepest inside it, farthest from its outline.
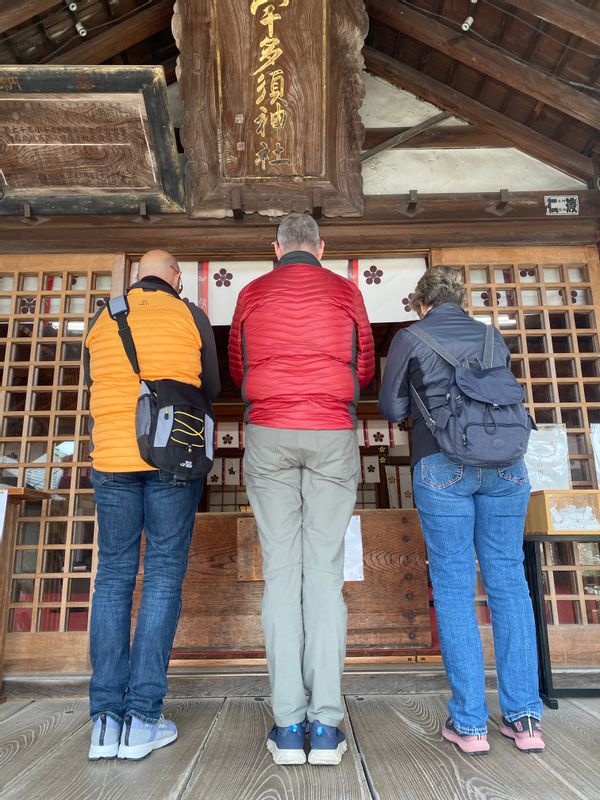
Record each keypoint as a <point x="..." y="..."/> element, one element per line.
<point x="286" y="745"/>
<point x="139" y="738"/>
<point x="105" y="738"/>
<point x="327" y="744"/>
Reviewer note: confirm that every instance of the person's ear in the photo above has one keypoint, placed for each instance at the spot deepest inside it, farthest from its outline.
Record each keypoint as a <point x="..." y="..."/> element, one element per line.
<point x="321" y="249"/>
<point x="277" y="248"/>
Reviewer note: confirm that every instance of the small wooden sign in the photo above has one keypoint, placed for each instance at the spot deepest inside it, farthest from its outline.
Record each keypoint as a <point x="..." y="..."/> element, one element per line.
<point x="271" y="91"/>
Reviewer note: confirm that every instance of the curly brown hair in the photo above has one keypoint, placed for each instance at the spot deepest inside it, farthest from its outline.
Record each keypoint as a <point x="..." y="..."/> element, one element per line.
<point x="438" y="285"/>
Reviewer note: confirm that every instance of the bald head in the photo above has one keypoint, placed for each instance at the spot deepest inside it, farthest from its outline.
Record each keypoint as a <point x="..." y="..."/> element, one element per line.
<point x="160" y="264"/>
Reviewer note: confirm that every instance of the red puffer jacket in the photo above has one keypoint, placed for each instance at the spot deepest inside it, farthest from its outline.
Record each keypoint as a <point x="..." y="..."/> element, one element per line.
<point x="301" y="346"/>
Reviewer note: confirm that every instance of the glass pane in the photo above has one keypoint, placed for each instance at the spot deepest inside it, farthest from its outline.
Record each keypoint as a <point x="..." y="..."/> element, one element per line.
<point x="480" y="299"/>
<point x="534" y="321"/>
<point x="568" y="393"/>
<point x="25" y="561"/>
<point x="26" y="305"/>
<point x="517" y="368"/>
<point x="19" y="620"/>
<point x="530" y="297"/>
<point x="504" y="274"/>
<point x="79" y="590"/>
<point x="39" y="426"/>
<point x="562" y="344"/>
<point x="586" y="344"/>
<point x="78" y="283"/>
<point x="506" y="297"/>
<point x="580" y="470"/>
<point x="542" y="393"/>
<point x="578" y="274"/>
<point x="591" y="583"/>
<point x="31" y="508"/>
<point x="83" y="533"/>
<point x="571" y="417"/>
<point x="568" y="612"/>
<point x="527" y="274"/>
<point x="588" y="553"/>
<point x="508" y="321"/>
<point x="65" y="426"/>
<point x="58" y="506"/>
<point x="67" y="401"/>
<point x="12" y="426"/>
<point x="592" y="608"/>
<point x="48" y="329"/>
<point x="21" y="352"/>
<point x="77" y="619"/>
<point x="581" y="297"/>
<point x="6" y="282"/>
<point x="593" y="415"/>
<point x="28" y="533"/>
<point x="539" y="368"/>
<point x="18" y="376"/>
<point x="558" y="320"/>
<point x="50" y="305"/>
<point x="69" y="376"/>
<point x="22" y="591"/>
<point x="565" y="368"/>
<point x="83" y="478"/>
<point x="71" y="352"/>
<point x="536" y="344"/>
<point x="6" y="305"/>
<point x="48" y="619"/>
<point x="577" y="444"/>
<point x="81" y="561"/>
<point x="46" y="352"/>
<point x="552" y="275"/>
<point x="53" y="561"/>
<point x="592" y="392"/>
<point x="51" y="590"/>
<point x="555" y="297"/>
<point x="478" y="275"/>
<point x="41" y="401"/>
<point x="102" y="282"/>
<point x="513" y="343"/>
<point x="15" y="401"/>
<point x="56" y="533"/>
<point x="97" y="302"/>
<point x="73" y="327"/>
<point x="28" y="283"/>
<point x="545" y="416"/>
<point x="584" y="319"/>
<point x="52" y="283"/>
<point x="23" y="329"/>
<point x="43" y="376"/>
<point x="84" y="505"/>
<point x="560" y="553"/>
<point x="75" y="305"/>
<point x="565" y="582"/>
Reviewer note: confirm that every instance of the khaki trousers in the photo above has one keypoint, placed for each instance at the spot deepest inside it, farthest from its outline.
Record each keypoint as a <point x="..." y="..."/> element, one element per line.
<point x="302" y="488"/>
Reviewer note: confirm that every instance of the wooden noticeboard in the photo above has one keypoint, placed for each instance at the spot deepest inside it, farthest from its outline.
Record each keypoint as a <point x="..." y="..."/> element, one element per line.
<point x="82" y="139"/>
<point x="271" y="91"/>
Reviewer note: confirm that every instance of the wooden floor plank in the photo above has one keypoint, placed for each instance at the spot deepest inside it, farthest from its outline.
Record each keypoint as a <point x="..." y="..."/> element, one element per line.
<point x="68" y="775"/>
<point x="589" y="704"/>
<point x="34" y="733"/>
<point x="572" y="739"/>
<point x="237" y="766"/>
<point x="407" y="759"/>
<point x="12" y="707"/>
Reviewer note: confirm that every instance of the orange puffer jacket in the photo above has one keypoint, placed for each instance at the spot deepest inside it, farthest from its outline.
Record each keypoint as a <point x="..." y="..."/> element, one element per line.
<point x="301" y="346"/>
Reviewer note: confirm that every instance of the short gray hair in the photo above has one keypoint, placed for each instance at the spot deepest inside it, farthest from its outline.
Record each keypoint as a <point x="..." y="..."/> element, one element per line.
<point x="298" y="231"/>
<point x="439" y="285"/>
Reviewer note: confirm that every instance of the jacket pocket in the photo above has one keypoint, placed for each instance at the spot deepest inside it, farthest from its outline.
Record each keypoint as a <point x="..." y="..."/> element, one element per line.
<point x="439" y="472"/>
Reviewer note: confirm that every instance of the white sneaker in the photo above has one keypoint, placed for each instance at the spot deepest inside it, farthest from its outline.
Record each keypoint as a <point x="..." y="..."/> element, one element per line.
<point x="139" y="738"/>
<point x="105" y="737"/>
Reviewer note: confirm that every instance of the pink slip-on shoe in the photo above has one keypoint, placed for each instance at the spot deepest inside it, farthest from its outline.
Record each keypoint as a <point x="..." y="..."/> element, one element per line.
<point x="470" y="744"/>
<point x="526" y="732"/>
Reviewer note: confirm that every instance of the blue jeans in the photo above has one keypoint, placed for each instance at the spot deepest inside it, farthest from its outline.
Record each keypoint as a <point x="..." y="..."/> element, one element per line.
<point x="467" y="510"/>
<point x="133" y="680"/>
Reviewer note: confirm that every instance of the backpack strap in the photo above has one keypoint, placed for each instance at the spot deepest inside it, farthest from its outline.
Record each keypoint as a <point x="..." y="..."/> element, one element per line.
<point x="118" y="308"/>
<point x="429" y="420"/>
<point x="488" y="348"/>
<point x="434" y="345"/>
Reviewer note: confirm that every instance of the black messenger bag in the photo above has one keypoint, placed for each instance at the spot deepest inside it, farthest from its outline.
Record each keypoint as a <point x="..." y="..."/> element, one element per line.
<point x="174" y="421"/>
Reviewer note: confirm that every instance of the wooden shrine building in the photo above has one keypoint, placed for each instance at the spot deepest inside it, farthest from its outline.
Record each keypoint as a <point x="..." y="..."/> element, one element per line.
<point x="417" y="133"/>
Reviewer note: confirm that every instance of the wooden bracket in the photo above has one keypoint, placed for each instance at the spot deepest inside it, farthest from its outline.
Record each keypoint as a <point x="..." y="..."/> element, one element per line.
<point x="30" y="219"/>
<point x="316" y="201"/>
<point x="503" y="206"/>
<point x="143" y="217"/>
<point x="594" y="182"/>
<point x="413" y="206"/>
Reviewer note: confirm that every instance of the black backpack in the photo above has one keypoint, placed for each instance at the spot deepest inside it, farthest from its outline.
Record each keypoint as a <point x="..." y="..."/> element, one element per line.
<point x="482" y="422"/>
<point x="174" y="420"/>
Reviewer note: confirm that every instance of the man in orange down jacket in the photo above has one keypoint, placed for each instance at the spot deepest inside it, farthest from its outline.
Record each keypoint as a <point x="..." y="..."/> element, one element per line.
<point x="174" y="340"/>
<point x="300" y="348"/>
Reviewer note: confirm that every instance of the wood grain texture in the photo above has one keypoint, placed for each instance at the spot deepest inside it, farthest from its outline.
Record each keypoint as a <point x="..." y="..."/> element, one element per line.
<point x="389" y="609"/>
<point x="69" y="776"/>
<point x="236" y="764"/>
<point x="407" y="758"/>
<point x="571" y="735"/>
<point x="34" y="733"/>
<point x="12" y="707"/>
<point x="12" y="14"/>
<point x="218" y="94"/>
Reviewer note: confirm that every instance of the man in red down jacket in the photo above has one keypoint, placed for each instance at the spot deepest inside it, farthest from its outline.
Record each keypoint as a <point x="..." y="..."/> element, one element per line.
<point x="301" y="347"/>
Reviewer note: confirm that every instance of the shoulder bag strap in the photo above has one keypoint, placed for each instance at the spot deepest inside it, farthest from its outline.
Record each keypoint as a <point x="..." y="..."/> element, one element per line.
<point x="435" y="346"/>
<point x="118" y="308"/>
<point x="488" y="348"/>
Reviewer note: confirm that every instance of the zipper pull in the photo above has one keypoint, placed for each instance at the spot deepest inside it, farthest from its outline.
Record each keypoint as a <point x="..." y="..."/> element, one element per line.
<point x="166" y="412"/>
<point x="464" y="439"/>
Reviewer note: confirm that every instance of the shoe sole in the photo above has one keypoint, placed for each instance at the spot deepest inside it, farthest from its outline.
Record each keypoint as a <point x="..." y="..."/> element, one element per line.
<point x="327" y="757"/>
<point x="98" y="751"/>
<point x="137" y="752"/>
<point x="464" y="746"/>
<point x="286" y="757"/>
<point x="529" y="745"/>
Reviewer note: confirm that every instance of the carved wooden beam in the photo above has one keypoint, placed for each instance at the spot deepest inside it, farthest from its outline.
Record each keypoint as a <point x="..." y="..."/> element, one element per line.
<point x="566" y="14"/>
<point x="119" y="36"/>
<point x="483" y="58"/>
<point x="404" y="136"/>
<point x="14" y="13"/>
<point x="526" y="139"/>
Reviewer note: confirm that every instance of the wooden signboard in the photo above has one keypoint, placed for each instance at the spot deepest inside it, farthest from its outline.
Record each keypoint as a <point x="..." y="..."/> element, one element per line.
<point x="86" y="140"/>
<point x="271" y="91"/>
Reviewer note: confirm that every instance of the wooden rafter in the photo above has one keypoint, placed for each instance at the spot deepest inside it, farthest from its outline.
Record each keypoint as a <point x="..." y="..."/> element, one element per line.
<point x="526" y="139"/>
<point x="14" y="13"/>
<point x="404" y="136"/>
<point x="565" y="14"/>
<point x="120" y="36"/>
<point x="446" y="137"/>
<point x="486" y="59"/>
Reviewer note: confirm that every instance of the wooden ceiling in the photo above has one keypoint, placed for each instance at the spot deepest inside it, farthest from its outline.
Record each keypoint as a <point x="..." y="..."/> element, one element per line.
<point x="526" y="73"/>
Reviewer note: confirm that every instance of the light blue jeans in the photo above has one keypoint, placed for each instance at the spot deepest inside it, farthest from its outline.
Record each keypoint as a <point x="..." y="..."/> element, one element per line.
<point x="466" y="511"/>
